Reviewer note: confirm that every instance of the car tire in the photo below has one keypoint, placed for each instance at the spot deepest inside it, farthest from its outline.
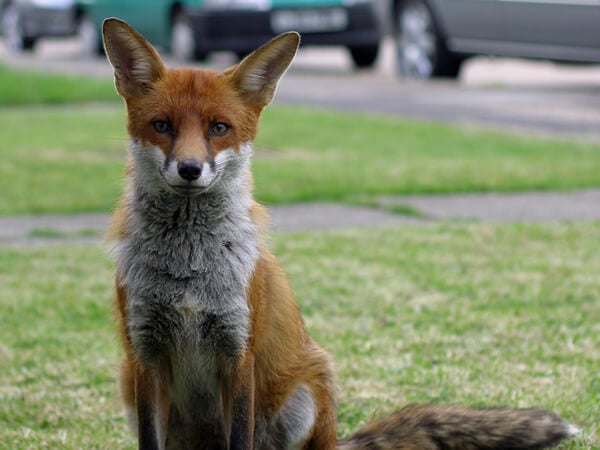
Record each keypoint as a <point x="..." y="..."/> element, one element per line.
<point x="88" y="37"/>
<point x="183" y="40"/>
<point x="13" y="31"/>
<point x="365" y="56"/>
<point x="421" y="50"/>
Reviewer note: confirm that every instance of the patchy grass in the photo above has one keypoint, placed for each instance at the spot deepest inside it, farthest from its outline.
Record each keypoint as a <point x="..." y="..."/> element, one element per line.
<point x="21" y="87"/>
<point x="472" y="314"/>
<point x="70" y="159"/>
<point x="402" y="209"/>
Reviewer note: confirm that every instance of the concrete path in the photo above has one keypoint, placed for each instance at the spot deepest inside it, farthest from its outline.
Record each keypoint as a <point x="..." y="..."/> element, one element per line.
<point x="507" y="207"/>
<point x="492" y="207"/>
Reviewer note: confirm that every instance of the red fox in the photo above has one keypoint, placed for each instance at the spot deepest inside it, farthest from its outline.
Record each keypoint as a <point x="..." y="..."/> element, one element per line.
<point x="216" y="353"/>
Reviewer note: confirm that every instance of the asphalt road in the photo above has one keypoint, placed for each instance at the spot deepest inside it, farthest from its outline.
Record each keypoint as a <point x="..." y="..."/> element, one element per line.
<point x="532" y="97"/>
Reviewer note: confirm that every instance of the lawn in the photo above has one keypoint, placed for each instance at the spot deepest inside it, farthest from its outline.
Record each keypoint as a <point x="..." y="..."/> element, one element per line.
<point x="465" y="313"/>
<point x="20" y="87"/>
<point x="70" y="158"/>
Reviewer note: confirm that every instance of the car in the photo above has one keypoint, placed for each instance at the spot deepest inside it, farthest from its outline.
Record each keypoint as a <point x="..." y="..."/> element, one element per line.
<point x="191" y="29"/>
<point x="434" y="37"/>
<point x="24" y="22"/>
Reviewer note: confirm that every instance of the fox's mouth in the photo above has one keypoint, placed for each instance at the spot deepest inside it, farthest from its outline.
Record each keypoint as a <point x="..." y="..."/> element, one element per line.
<point x="189" y="190"/>
<point x="194" y="188"/>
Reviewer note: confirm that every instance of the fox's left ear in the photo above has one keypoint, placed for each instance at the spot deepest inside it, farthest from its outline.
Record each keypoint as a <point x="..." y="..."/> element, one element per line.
<point x="137" y="65"/>
<point x="257" y="75"/>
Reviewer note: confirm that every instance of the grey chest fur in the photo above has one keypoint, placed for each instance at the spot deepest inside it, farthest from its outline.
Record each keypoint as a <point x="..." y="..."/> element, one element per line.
<point x="186" y="268"/>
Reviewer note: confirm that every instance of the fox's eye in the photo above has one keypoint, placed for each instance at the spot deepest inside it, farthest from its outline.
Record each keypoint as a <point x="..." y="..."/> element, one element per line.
<point x="218" y="129"/>
<point x="161" y="126"/>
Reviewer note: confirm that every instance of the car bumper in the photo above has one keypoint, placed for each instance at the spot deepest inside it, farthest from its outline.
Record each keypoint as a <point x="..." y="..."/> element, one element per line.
<point x="242" y="30"/>
<point x="37" y="22"/>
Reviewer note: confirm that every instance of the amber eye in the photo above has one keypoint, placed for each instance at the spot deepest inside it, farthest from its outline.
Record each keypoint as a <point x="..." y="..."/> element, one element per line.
<point x="161" y="126"/>
<point x="218" y="129"/>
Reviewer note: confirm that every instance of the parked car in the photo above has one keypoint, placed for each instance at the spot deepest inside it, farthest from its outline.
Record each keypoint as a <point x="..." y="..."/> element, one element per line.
<point x="23" y="22"/>
<point x="434" y="37"/>
<point x="191" y="29"/>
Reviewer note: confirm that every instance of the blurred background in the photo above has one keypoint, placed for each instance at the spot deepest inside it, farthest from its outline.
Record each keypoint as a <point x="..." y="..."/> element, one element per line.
<point x="357" y="54"/>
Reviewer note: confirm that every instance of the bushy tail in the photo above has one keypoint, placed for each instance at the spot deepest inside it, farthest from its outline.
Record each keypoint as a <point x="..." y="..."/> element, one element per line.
<point x="431" y="427"/>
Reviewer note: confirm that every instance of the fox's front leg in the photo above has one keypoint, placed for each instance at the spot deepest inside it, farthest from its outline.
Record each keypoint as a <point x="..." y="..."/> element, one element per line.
<point x="238" y="396"/>
<point x="152" y="408"/>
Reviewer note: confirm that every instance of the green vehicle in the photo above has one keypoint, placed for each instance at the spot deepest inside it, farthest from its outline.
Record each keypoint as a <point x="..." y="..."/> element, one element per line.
<point x="191" y="29"/>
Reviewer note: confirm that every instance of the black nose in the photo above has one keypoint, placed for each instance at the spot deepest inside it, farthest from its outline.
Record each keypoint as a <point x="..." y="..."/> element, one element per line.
<point x="189" y="169"/>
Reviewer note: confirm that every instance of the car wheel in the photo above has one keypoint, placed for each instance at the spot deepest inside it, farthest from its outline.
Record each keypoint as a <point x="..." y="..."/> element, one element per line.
<point x="421" y="51"/>
<point x="13" y="31"/>
<point x="88" y="37"/>
<point x="364" y="56"/>
<point x="183" y="40"/>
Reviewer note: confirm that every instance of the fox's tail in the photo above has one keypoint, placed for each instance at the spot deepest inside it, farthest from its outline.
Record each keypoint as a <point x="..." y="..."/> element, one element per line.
<point x="431" y="427"/>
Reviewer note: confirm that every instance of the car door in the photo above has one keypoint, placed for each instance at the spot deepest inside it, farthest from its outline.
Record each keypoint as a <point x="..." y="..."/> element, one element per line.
<point x="469" y="23"/>
<point x="556" y="29"/>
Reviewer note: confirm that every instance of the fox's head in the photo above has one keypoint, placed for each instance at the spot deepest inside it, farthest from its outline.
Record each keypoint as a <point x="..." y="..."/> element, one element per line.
<point x="191" y="129"/>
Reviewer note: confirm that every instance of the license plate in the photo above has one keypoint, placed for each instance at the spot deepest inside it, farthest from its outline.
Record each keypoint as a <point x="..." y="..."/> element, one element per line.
<point x="309" y="20"/>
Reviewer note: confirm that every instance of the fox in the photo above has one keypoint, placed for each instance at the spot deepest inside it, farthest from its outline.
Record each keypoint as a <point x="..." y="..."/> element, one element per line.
<point x="216" y="353"/>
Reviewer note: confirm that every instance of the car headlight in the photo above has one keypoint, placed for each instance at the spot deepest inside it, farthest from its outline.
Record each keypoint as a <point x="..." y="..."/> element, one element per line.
<point x="260" y="5"/>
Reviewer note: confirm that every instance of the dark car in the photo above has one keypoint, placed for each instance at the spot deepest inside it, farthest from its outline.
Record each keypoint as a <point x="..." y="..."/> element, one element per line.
<point x="434" y="37"/>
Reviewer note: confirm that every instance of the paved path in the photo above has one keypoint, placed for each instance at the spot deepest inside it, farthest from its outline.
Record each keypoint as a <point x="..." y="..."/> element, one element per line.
<point x="492" y="207"/>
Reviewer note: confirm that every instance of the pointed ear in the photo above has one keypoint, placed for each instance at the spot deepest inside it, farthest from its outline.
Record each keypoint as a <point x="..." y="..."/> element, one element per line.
<point x="257" y="75"/>
<point x="137" y="65"/>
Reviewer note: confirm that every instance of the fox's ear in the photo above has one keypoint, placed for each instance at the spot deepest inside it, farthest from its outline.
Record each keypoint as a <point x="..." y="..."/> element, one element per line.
<point x="137" y="65"/>
<point x="257" y="75"/>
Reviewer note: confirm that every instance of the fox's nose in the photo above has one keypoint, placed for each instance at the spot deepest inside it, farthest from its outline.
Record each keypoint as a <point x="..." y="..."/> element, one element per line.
<point x="189" y="169"/>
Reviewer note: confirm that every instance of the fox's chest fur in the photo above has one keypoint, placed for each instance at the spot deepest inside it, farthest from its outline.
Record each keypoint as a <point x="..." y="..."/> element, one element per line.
<point x="186" y="266"/>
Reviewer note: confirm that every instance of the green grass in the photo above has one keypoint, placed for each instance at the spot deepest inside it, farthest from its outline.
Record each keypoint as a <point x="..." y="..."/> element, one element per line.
<point x="464" y="313"/>
<point x="56" y="159"/>
<point x="52" y="233"/>
<point x="70" y="158"/>
<point x="337" y="156"/>
<point x="19" y="87"/>
<point x="394" y="208"/>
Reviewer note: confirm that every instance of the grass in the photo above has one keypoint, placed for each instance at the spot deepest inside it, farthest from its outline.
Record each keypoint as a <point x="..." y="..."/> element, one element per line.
<point x="52" y="233"/>
<point x="394" y="208"/>
<point x="464" y="313"/>
<point x="18" y="87"/>
<point x="61" y="160"/>
<point x="69" y="158"/>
